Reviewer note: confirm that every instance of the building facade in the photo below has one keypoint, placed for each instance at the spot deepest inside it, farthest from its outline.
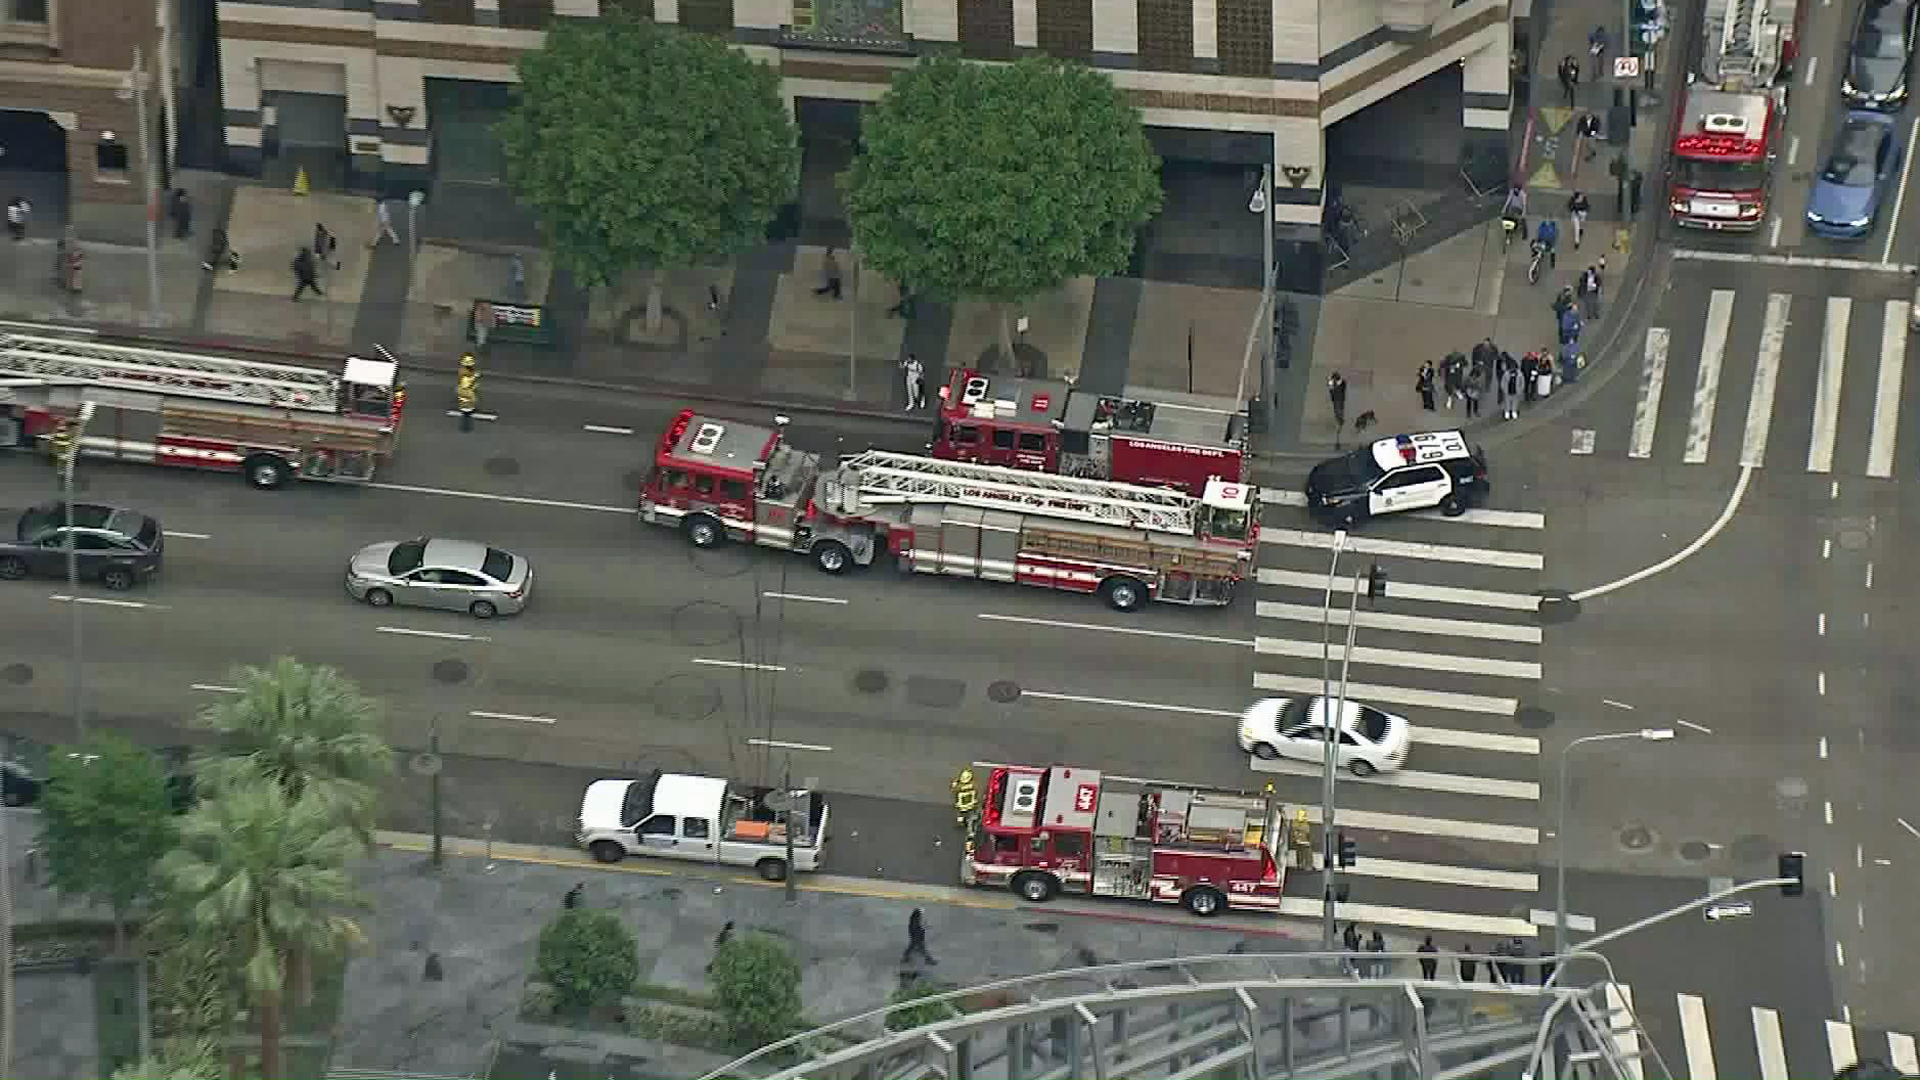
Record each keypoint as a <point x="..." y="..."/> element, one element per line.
<point x="1253" y="82"/>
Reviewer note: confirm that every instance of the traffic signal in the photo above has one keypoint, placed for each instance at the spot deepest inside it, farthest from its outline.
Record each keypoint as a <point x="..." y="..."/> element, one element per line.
<point x="1376" y="582"/>
<point x="1793" y="865"/>
<point x="1349" y="852"/>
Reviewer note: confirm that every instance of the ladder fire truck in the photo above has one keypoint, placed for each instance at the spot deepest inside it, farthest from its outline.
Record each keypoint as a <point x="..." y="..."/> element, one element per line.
<point x="1043" y="831"/>
<point x="1734" y="109"/>
<point x="719" y="480"/>
<point x="1050" y="426"/>
<point x="268" y="422"/>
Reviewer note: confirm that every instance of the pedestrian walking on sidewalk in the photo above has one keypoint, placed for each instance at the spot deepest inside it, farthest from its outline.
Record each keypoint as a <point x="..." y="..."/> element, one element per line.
<point x="1497" y="966"/>
<point x="1469" y="967"/>
<point x="1337" y="394"/>
<point x="829" y="276"/>
<point x="1429" y="965"/>
<point x="305" y="274"/>
<point x="916" y="383"/>
<point x="1577" y="208"/>
<point x="1510" y="392"/>
<point x="180" y="209"/>
<point x="917" y="939"/>
<point x="1423" y="385"/>
<point x="326" y="246"/>
<point x="1453" y="376"/>
<point x="220" y="253"/>
<point x="571" y="901"/>
<point x="19" y="210"/>
<point x="1350" y="937"/>
<point x="1529" y="368"/>
<point x="719" y="940"/>
<point x="1378" y="944"/>
<point x="1597" y="45"/>
<point x="1472" y="394"/>
<point x="383" y="224"/>
<point x="1587" y="141"/>
<point x="1569" y="76"/>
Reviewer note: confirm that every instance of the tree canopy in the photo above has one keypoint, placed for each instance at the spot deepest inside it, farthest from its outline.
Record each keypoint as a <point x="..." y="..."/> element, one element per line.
<point x="638" y="143"/>
<point x="756" y="982"/>
<point x="107" y="819"/>
<point x="588" y="957"/>
<point x="1000" y="181"/>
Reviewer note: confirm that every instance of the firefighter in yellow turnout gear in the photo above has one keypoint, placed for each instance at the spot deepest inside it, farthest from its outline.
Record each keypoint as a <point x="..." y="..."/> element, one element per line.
<point x="60" y="445"/>
<point x="466" y="391"/>
<point x="965" y="797"/>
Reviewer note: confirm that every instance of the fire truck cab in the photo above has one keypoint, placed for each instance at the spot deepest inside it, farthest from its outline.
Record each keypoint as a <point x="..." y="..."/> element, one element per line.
<point x="1049" y="426"/>
<point x="1734" y="110"/>
<point x="1043" y="831"/>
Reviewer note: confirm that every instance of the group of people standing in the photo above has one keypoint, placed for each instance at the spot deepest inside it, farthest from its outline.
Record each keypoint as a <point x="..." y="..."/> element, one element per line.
<point x="1490" y="372"/>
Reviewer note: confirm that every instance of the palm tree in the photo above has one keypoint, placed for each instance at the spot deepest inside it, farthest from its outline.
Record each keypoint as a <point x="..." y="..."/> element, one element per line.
<point x="263" y="874"/>
<point x="308" y="729"/>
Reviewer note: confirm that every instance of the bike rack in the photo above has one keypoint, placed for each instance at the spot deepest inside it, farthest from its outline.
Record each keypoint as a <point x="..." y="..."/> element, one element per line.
<point x="1405" y="219"/>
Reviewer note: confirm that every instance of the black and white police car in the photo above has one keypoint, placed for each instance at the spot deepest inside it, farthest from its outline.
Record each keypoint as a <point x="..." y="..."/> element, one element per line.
<point x="1405" y="472"/>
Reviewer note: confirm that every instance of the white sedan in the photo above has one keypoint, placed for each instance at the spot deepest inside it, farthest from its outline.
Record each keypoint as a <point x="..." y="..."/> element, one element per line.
<point x="1371" y="741"/>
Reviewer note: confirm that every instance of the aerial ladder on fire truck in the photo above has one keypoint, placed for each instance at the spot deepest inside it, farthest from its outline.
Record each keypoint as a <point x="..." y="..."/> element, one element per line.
<point x="1744" y="44"/>
<point x="246" y="382"/>
<point x="878" y="477"/>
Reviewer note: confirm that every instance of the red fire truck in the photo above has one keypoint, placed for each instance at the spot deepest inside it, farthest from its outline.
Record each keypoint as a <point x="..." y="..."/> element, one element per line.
<point x="268" y="422"/>
<point x="1733" y="113"/>
<point x="720" y="480"/>
<point x="1042" y="831"/>
<point x="1049" y="426"/>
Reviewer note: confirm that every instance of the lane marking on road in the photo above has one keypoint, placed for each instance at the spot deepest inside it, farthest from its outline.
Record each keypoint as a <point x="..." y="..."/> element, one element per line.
<point x="1908" y="825"/>
<point x="1413" y="659"/>
<point x="1899" y="197"/>
<point x="606" y="429"/>
<point x="1801" y="262"/>
<point x="776" y="744"/>
<point x="1840" y="1046"/>
<point x="1056" y="624"/>
<point x="1826" y="390"/>
<point x="1886" y="391"/>
<point x="1406" y="549"/>
<point x="1793" y="151"/>
<point x="1505" y="519"/>
<point x="1406" y="590"/>
<point x="804" y="598"/>
<point x="1579" y="924"/>
<point x="1706" y="387"/>
<point x="1145" y="706"/>
<point x="1406" y="624"/>
<point x="1813" y="65"/>
<point x="1701" y="728"/>
<point x="1653" y="380"/>
<point x="1626" y="1031"/>
<point x="1773" y="231"/>
<point x="1412" y="780"/>
<point x="1772" y="1048"/>
<point x="215" y="688"/>
<point x="441" y="634"/>
<point x="1829" y="811"/>
<point x="484" y="715"/>
<point x="101" y="601"/>
<point x="1616" y="704"/>
<point x="740" y="664"/>
<point x="1500" y="926"/>
<point x="518" y="500"/>
<point x="173" y="534"/>
<point x="455" y="413"/>
<point x="1678" y="557"/>
<point x="1472" y="877"/>
<point x="1699" y="1040"/>
<point x="1392" y="695"/>
<point x="1766" y="373"/>
<point x="1475" y="740"/>
<point x="1426" y="826"/>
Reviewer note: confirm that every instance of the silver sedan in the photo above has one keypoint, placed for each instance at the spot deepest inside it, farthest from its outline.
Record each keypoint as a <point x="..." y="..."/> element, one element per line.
<point x="452" y="575"/>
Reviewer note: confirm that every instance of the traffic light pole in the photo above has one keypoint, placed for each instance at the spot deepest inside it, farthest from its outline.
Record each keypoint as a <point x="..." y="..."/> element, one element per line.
<point x="1329" y="836"/>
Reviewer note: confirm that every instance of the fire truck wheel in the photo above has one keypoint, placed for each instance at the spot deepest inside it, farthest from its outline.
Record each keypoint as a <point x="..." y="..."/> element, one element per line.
<point x="607" y="851"/>
<point x="1035" y="888"/>
<point x="1204" y="902"/>
<point x="379" y="597"/>
<point x="772" y="869"/>
<point x="704" y="532"/>
<point x="1124" y="593"/>
<point x="265" y="471"/>
<point x="12" y="569"/>
<point x="832" y="556"/>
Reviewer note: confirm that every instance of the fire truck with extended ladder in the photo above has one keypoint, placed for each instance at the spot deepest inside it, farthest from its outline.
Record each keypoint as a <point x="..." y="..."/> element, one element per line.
<point x="719" y="480"/>
<point x="1051" y="426"/>
<point x="1042" y="831"/>
<point x="1733" y="111"/>
<point x="268" y="422"/>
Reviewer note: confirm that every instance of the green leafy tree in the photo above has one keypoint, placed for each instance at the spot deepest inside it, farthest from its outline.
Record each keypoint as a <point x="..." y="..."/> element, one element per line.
<point x="308" y="729"/>
<point x="588" y="957"/>
<point x="756" y="982"/>
<point x="1000" y="181"/>
<point x="183" y="1059"/>
<point x="638" y="143"/>
<point x="912" y="1011"/>
<point x="261" y="875"/>
<point x="107" y="820"/>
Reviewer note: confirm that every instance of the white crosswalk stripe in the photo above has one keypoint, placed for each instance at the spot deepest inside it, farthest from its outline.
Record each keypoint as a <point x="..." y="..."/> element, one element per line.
<point x="1714" y="1040"/>
<point x="1799" y="367"/>
<point x="1454" y="646"/>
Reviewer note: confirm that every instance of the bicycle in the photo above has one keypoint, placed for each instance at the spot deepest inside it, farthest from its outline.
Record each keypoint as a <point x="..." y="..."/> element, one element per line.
<point x="1533" y="265"/>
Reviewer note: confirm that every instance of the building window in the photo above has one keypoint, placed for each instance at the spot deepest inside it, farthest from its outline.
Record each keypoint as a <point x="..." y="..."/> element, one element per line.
<point x="111" y="160"/>
<point x="25" y="11"/>
<point x="447" y="12"/>
<point x="986" y="29"/>
<point x="1246" y="37"/>
<point x="1065" y="28"/>
<point x="526" y="14"/>
<point x="707" y="16"/>
<point x="1166" y="35"/>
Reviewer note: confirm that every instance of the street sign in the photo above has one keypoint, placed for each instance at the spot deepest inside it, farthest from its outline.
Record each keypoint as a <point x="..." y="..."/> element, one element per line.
<point x="1729" y="911"/>
<point x="1626" y="67"/>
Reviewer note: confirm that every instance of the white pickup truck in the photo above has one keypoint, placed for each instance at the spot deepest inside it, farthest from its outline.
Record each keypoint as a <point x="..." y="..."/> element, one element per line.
<point x="703" y="819"/>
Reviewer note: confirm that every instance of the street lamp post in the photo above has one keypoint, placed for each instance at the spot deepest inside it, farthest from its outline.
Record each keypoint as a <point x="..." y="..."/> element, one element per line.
<point x="1560" y="823"/>
<point x="72" y="455"/>
<point x="1262" y="204"/>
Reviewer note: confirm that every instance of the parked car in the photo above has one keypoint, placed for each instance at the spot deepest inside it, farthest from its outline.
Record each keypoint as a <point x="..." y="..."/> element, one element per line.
<point x="1880" y="55"/>
<point x="1371" y="741"/>
<point x="1855" y="176"/>
<point x="452" y="575"/>
<point x="115" y="546"/>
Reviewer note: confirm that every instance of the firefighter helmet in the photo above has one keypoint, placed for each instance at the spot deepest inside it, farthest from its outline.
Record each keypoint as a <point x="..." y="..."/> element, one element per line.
<point x="466" y="362"/>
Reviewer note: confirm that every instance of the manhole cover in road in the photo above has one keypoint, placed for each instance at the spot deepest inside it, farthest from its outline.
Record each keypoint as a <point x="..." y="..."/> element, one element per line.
<point x="1749" y="850"/>
<point x="1854" y="539"/>
<point x="1636" y="838"/>
<point x="1534" y="718"/>
<point x="425" y="764"/>
<point x="685" y="697"/>
<point x="870" y="680"/>
<point x="17" y="674"/>
<point x="936" y="693"/>
<point x="725" y="561"/>
<point x="704" y="622"/>
<point x="1557" y="607"/>
<point x="1696" y="850"/>
<point x="1004" y="692"/>
<point x="501" y="466"/>
<point x="450" y="671"/>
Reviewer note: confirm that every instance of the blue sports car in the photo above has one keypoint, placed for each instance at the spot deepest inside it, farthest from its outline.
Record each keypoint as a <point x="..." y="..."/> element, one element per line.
<point x="1847" y="189"/>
